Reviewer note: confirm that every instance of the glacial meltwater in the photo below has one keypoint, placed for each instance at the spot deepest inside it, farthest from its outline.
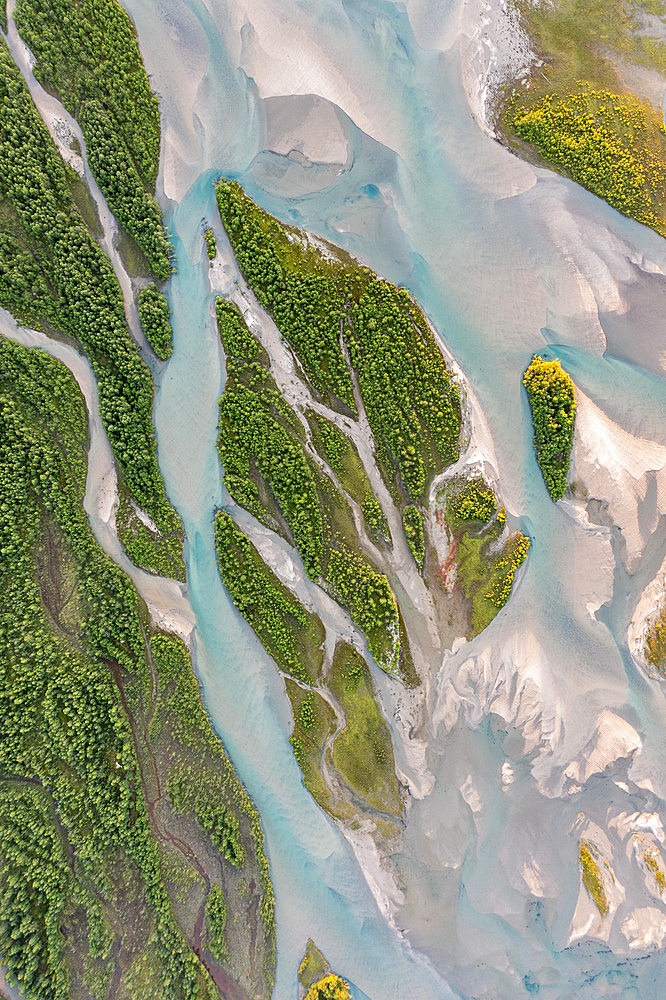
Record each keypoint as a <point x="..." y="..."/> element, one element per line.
<point x="335" y="115"/>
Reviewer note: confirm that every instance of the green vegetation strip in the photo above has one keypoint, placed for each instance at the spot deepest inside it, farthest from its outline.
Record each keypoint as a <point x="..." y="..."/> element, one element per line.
<point x="654" y="649"/>
<point x="371" y="603"/>
<point x="317" y="296"/>
<point x="154" y="314"/>
<point x="211" y="244"/>
<point x="51" y="269"/>
<point x="216" y="920"/>
<point x="363" y="752"/>
<point x="87" y="52"/>
<point x="314" y="722"/>
<point x="553" y="405"/>
<point x="292" y="636"/>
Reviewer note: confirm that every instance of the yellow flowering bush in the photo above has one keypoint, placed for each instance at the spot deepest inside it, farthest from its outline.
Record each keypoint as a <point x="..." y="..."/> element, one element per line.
<point x="331" y="987"/>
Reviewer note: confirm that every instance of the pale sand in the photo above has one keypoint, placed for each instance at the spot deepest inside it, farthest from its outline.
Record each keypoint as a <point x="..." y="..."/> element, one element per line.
<point x="629" y="473"/>
<point x="650" y="604"/>
<point x="307" y="124"/>
<point x="494" y="50"/>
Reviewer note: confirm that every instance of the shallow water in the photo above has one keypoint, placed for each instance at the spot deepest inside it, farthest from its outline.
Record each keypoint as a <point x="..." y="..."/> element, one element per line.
<point x="506" y="260"/>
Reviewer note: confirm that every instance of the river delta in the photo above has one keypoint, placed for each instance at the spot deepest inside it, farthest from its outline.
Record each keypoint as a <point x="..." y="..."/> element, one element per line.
<point x="426" y="754"/>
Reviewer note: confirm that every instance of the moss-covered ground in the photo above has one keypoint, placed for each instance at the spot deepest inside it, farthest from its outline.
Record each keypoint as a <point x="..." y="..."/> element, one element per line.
<point x="313" y="967"/>
<point x="362" y="752"/>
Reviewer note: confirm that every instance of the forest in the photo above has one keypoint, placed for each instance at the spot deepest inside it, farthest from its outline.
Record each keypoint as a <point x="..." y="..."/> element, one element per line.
<point x="87" y="52"/>
<point x="52" y="269"/>
<point x="80" y="847"/>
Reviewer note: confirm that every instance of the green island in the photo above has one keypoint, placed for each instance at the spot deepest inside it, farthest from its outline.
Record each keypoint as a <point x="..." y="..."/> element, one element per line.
<point x="55" y="276"/>
<point x="486" y="560"/>
<point x="412" y="520"/>
<point x="590" y="876"/>
<point x="154" y="314"/>
<point x="576" y="109"/>
<point x="553" y="406"/>
<point x="361" y="754"/>
<point x="87" y="53"/>
<point x="316" y="978"/>
<point x="125" y="834"/>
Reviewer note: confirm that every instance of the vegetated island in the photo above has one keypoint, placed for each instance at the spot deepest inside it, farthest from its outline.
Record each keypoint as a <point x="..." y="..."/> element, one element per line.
<point x="575" y="109"/>
<point x="54" y="276"/>
<point x="366" y="353"/>
<point x="131" y="858"/>
<point x="316" y="981"/>
<point x="350" y="468"/>
<point x="553" y="405"/>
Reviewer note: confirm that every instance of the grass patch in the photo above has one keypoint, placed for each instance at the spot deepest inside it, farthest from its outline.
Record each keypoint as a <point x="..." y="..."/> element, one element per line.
<point x="314" y="722"/>
<point x="485" y="571"/>
<point x="363" y="752"/>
